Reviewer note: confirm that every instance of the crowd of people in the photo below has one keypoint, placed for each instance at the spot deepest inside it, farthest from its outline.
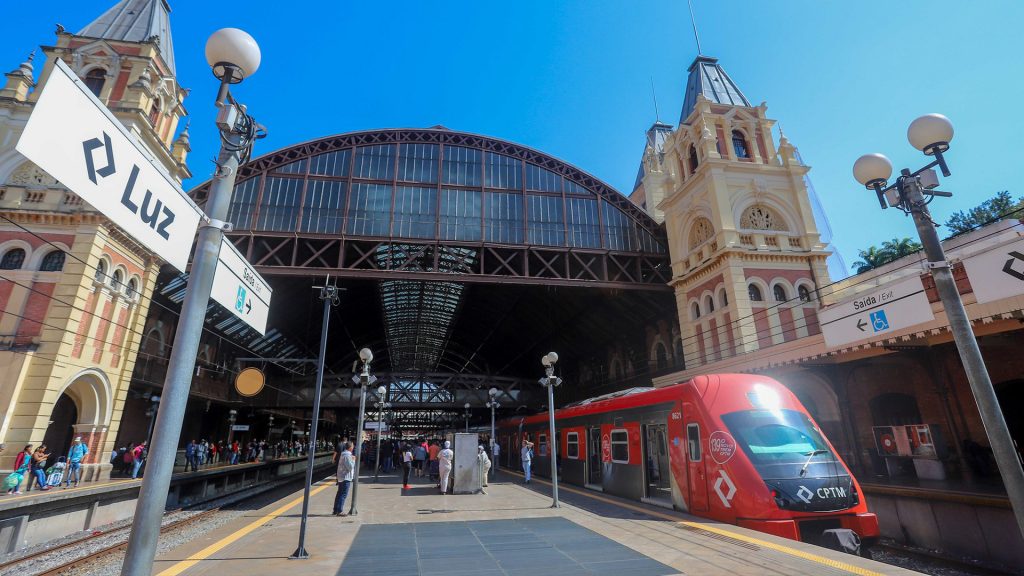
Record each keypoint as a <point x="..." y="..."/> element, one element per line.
<point x="33" y="464"/>
<point x="431" y="459"/>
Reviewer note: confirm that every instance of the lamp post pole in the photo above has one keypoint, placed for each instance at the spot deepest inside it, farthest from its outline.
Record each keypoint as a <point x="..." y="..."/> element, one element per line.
<point x="364" y="379"/>
<point x="931" y="134"/>
<point x="467" y="414"/>
<point x="153" y="409"/>
<point x="329" y="296"/>
<point x="493" y="404"/>
<point x="233" y="55"/>
<point x="232" y="417"/>
<point x="550" y="381"/>
<point x="380" y="405"/>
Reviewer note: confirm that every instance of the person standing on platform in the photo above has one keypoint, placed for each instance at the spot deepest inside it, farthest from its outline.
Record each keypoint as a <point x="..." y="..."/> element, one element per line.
<point x="495" y="453"/>
<point x="432" y="451"/>
<point x="138" y="457"/>
<point x="526" y="456"/>
<point x="444" y="465"/>
<point x="21" y="464"/>
<point x="485" y="464"/>
<point x="419" y="455"/>
<point x="126" y="458"/>
<point x="75" y="456"/>
<point x="406" y="465"/>
<point x="346" y="467"/>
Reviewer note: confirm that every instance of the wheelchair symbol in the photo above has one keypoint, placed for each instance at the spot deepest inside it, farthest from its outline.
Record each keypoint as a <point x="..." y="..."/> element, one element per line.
<point x="879" y="321"/>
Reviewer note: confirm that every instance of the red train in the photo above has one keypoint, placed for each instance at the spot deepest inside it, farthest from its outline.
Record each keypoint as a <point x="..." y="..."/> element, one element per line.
<point x="736" y="448"/>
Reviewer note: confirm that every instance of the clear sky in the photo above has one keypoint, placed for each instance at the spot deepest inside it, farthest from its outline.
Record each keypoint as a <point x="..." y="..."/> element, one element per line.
<point x="573" y="78"/>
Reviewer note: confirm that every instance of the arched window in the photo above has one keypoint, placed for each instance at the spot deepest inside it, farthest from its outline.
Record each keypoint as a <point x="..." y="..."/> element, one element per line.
<point x="132" y="289"/>
<point x="662" y="356"/>
<point x="101" y="271"/>
<point x="759" y="217"/>
<point x="52" y="262"/>
<point x="701" y="231"/>
<point x="709" y="304"/>
<point x="804" y="292"/>
<point x="739" y="144"/>
<point x="95" y="79"/>
<point x="723" y="298"/>
<point x="118" y="278"/>
<point x="695" y="311"/>
<point x="755" y="293"/>
<point x="13" y="259"/>
<point x="693" y="159"/>
<point x="779" y="291"/>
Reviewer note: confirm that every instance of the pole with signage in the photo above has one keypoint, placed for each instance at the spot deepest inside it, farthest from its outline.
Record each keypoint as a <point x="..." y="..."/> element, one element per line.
<point x="234" y="55"/>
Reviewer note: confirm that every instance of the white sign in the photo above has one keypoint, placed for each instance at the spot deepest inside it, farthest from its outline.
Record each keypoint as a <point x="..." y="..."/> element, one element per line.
<point x="373" y="426"/>
<point x="74" y="137"/>
<point x="240" y="427"/>
<point x="876" y="313"/>
<point x="998" y="272"/>
<point x="238" y="287"/>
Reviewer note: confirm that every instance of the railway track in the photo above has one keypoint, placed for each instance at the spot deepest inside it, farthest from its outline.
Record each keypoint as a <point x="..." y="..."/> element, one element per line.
<point x="23" y="566"/>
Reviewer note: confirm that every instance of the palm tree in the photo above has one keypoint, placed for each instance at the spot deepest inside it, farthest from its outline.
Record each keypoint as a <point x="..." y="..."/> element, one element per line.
<point x="897" y="248"/>
<point x="870" y="258"/>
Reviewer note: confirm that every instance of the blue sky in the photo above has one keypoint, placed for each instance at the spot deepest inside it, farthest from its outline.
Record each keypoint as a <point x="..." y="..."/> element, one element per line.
<point x="573" y="78"/>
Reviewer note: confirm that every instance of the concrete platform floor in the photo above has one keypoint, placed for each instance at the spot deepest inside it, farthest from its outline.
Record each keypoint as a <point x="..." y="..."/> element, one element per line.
<point x="510" y="530"/>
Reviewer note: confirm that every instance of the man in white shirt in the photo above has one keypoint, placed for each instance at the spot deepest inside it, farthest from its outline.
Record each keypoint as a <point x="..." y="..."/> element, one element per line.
<point x="444" y="465"/>
<point x="526" y="456"/>
<point x="346" y="467"/>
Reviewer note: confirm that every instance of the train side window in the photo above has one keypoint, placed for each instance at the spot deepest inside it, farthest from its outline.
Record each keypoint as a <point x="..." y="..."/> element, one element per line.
<point x="693" y="441"/>
<point x="572" y="445"/>
<point x="620" y="446"/>
<point x="542" y="444"/>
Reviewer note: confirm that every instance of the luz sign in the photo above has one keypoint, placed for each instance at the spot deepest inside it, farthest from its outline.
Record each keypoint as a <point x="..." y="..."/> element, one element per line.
<point x="74" y="137"/>
<point x="997" y="273"/>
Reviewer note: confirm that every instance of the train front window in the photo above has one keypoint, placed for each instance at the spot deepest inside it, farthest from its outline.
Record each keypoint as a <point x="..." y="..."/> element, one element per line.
<point x="782" y="443"/>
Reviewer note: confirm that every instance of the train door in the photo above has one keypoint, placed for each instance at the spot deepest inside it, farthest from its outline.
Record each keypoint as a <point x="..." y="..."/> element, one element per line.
<point x="656" y="460"/>
<point x="695" y="469"/>
<point x="594" y="456"/>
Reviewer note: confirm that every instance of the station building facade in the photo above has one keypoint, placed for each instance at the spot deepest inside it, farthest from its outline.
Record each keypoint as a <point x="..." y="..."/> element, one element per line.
<point x="75" y="289"/>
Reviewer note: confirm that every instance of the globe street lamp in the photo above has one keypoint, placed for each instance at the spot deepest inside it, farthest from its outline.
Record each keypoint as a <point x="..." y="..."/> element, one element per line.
<point x="493" y="404"/>
<point x="931" y="134"/>
<point x="550" y="381"/>
<point x="381" y="406"/>
<point x="232" y="417"/>
<point x="467" y="413"/>
<point x="364" y="379"/>
<point x="233" y="56"/>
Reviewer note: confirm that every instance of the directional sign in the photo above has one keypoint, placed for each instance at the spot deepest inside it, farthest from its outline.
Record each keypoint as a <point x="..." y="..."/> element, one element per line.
<point x="74" y="137"/>
<point x="998" y="272"/>
<point x="876" y="313"/>
<point x="240" y="289"/>
<point x="240" y="427"/>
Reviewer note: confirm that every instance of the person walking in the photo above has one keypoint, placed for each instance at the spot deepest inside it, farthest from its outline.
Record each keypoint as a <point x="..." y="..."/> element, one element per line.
<point x="346" y="467"/>
<point x="37" y="469"/>
<point x="126" y="458"/>
<point x="444" y="465"/>
<point x="76" y="454"/>
<point x="432" y="451"/>
<point x="484" y="462"/>
<point x="139" y="457"/>
<point x="406" y="465"/>
<point x="526" y="456"/>
<point x="495" y="454"/>
<point x="190" y="455"/>
<point x="419" y="455"/>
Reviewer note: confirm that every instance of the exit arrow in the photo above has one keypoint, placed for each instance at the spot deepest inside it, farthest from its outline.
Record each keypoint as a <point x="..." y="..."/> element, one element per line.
<point x="861" y="324"/>
<point x="1008" y="267"/>
<point x="248" y="306"/>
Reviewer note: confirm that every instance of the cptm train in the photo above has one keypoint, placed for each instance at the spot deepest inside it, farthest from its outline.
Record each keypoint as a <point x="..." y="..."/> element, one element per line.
<point x="735" y="448"/>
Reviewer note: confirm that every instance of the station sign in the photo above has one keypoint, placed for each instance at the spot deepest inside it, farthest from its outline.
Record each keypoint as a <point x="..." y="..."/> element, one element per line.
<point x="240" y="427"/>
<point x="373" y="426"/>
<point x="877" y="312"/>
<point x="998" y="272"/>
<point x="74" y="137"/>
<point x="238" y="287"/>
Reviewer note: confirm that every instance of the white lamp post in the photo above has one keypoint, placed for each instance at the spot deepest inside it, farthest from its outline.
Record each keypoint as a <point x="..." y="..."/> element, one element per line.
<point x="493" y="404"/>
<point x="364" y="379"/>
<point x="381" y="406"/>
<point x="931" y="134"/>
<point x="550" y="381"/>
<point x="233" y="56"/>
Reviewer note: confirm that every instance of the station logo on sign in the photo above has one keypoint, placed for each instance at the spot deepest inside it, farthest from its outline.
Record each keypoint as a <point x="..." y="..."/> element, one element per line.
<point x="722" y="446"/>
<point x="998" y="272"/>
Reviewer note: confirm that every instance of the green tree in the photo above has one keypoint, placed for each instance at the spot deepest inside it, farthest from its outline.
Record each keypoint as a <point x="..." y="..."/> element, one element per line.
<point x="894" y="249"/>
<point x="995" y="208"/>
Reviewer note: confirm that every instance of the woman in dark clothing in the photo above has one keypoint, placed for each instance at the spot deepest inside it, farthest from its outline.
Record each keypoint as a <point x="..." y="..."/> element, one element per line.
<point x="406" y="465"/>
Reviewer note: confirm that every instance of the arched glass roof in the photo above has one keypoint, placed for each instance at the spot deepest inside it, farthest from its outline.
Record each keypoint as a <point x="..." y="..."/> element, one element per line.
<point x="435" y="184"/>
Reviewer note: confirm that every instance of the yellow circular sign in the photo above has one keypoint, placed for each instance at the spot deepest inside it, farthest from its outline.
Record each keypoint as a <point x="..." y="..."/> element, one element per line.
<point x="249" y="382"/>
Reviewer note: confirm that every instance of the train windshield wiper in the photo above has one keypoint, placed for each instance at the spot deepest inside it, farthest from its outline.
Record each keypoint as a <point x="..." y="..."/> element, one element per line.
<point x="810" y="455"/>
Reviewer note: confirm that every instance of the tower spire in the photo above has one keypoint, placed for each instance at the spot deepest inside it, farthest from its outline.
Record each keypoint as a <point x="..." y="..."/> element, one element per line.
<point x="136" y="21"/>
<point x="693" y="21"/>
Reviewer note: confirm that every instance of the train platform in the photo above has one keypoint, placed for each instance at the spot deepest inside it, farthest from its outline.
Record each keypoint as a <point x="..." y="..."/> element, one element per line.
<point x="510" y="530"/>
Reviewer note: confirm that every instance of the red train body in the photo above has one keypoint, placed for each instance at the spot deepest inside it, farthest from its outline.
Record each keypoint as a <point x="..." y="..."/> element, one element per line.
<point x="735" y="448"/>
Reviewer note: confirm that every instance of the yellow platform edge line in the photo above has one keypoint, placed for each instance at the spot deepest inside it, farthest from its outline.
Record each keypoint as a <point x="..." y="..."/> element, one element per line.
<point x="219" y="545"/>
<point x="838" y="564"/>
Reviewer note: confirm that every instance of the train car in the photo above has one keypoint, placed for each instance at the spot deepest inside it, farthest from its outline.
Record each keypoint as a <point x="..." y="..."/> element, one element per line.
<point x="736" y="448"/>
